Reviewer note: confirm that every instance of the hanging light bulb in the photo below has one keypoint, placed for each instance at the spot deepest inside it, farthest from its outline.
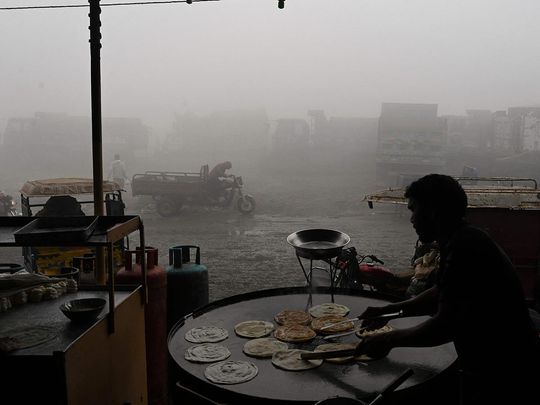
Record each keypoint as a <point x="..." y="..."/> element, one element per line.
<point x="281" y="3"/>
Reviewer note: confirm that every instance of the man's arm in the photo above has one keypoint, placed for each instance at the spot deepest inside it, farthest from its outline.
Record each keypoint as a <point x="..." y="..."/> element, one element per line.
<point x="424" y="303"/>
<point x="432" y="332"/>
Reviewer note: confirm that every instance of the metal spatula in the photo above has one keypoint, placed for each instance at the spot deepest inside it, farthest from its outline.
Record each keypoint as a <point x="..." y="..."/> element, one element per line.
<point x="392" y="315"/>
<point x="327" y="355"/>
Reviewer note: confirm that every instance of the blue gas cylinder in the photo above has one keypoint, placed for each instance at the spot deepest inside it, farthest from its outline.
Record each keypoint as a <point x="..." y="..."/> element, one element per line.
<point x="187" y="283"/>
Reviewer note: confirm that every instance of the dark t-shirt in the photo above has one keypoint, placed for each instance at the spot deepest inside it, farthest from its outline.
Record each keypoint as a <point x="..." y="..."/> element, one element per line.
<point x="482" y="305"/>
<point x="218" y="171"/>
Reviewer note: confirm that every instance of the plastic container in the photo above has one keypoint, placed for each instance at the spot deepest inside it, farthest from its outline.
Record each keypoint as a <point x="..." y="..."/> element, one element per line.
<point x="86" y="265"/>
<point x="187" y="283"/>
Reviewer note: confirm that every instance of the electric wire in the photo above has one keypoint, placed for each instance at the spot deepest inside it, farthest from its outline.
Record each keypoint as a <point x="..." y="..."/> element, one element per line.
<point x="139" y="3"/>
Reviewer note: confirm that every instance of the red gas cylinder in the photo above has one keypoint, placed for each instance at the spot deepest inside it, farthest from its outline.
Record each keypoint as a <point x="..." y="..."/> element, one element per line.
<point x="155" y="318"/>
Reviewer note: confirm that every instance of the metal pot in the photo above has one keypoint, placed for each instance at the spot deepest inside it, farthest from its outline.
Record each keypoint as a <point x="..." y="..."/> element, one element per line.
<point x="318" y="244"/>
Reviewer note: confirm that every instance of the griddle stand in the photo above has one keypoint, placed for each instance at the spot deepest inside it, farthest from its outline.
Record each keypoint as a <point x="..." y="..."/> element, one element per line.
<point x="331" y="270"/>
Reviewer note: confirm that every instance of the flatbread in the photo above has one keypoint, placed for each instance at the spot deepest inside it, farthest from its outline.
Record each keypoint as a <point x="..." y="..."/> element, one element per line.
<point x="206" y="353"/>
<point x="329" y="347"/>
<point x="291" y="360"/>
<point x="231" y="372"/>
<point x="294" y="333"/>
<point x="254" y="329"/>
<point x="289" y="317"/>
<point x="206" y="334"/>
<point x="264" y="347"/>
<point x="318" y="323"/>
<point x="384" y="329"/>
<point x="26" y="336"/>
<point x="328" y="308"/>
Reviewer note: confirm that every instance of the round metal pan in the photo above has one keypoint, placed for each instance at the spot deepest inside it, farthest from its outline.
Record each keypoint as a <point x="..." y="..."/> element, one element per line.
<point x="275" y="386"/>
<point x="318" y="244"/>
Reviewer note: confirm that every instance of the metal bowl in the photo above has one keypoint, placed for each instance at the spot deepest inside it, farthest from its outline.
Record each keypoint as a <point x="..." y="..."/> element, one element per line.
<point x="318" y="244"/>
<point x="84" y="309"/>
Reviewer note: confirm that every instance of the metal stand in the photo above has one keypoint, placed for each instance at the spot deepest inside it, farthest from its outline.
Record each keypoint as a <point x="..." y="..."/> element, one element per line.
<point x="331" y="270"/>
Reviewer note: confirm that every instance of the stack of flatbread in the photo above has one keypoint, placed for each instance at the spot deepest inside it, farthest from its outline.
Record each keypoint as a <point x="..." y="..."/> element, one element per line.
<point x="330" y="347"/>
<point x="294" y="333"/>
<point x="206" y="334"/>
<point x="264" y="347"/>
<point x="206" y="353"/>
<point x="294" y="326"/>
<point x="328" y="308"/>
<point x="231" y="372"/>
<point x="291" y="360"/>
<point x="254" y="329"/>
<point x="318" y="323"/>
<point x="293" y="317"/>
<point x="384" y="329"/>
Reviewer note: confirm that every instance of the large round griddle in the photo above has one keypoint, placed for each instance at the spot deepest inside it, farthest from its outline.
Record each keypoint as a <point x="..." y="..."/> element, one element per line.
<point x="276" y="386"/>
<point x="318" y="244"/>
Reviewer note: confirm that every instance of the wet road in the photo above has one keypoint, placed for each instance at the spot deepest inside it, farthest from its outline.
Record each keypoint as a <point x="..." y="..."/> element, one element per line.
<point x="249" y="253"/>
<point x="246" y="253"/>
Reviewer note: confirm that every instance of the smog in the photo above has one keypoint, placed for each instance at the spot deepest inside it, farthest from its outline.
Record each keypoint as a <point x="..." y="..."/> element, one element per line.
<point x="315" y="104"/>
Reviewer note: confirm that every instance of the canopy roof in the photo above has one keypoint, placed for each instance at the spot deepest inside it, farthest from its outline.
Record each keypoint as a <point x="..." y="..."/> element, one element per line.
<point x="64" y="186"/>
<point x="494" y="192"/>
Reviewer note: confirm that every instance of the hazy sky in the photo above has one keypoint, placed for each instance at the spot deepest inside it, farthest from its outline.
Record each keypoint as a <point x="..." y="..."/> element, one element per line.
<point x="343" y="56"/>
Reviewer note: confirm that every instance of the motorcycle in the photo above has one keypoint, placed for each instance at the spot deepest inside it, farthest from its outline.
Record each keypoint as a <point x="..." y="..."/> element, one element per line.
<point x="245" y="203"/>
<point x="7" y="205"/>
<point x="367" y="272"/>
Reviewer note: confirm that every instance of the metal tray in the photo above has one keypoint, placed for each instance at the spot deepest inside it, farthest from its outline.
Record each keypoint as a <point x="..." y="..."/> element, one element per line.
<point x="56" y="230"/>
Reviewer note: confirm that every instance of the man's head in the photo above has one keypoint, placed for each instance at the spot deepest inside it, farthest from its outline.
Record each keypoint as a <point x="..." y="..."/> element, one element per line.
<point x="437" y="203"/>
<point x="228" y="164"/>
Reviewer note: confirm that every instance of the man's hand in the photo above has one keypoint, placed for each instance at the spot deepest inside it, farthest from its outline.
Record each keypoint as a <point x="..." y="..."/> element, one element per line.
<point x="375" y="346"/>
<point x="372" y="312"/>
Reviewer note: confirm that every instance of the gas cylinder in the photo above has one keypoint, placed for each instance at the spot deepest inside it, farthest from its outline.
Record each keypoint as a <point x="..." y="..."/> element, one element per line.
<point x="187" y="283"/>
<point x="155" y="313"/>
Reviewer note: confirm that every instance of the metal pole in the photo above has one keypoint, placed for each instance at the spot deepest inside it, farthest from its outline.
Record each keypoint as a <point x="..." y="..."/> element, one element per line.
<point x="95" y="75"/>
<point x="97" y="156"/>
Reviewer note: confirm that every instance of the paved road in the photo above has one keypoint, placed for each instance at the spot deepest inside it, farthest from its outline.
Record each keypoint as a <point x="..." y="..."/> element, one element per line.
<point x="246" y="253"/>
<point x="250" y="253"/>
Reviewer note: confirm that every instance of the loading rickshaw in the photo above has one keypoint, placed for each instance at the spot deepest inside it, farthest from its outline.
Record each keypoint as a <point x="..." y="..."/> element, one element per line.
<point x="66" y="197"/>
<point x="172" y="190"/>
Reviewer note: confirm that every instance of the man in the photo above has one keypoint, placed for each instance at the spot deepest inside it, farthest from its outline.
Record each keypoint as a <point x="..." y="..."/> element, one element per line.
<point x="118" y="171"/>
<point x="61" y="206"/>
<point x="477" y="302"/>
<point x="217" y="178"/>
